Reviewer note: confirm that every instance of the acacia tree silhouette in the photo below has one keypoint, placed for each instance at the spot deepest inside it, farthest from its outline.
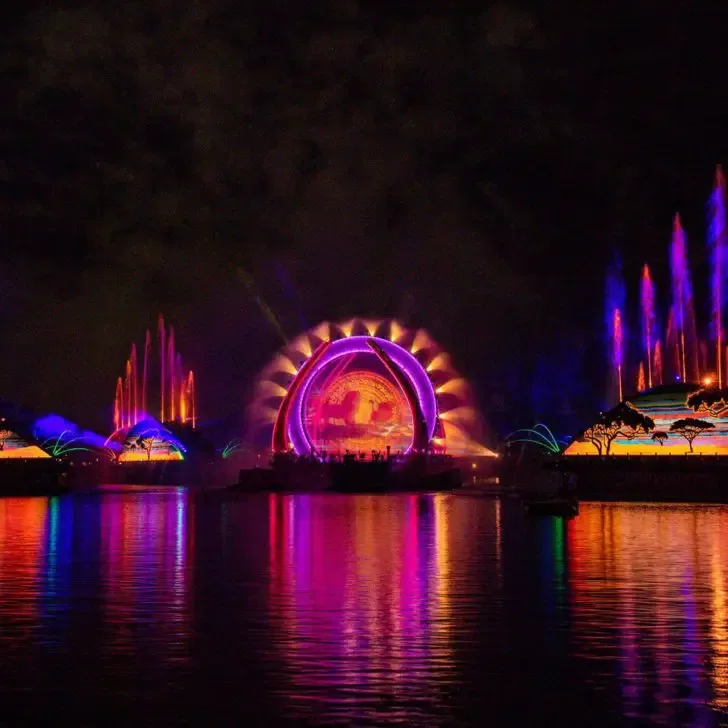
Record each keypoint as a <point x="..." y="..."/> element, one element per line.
<point x="690" y="429"/>
<point x="625" y="420"/>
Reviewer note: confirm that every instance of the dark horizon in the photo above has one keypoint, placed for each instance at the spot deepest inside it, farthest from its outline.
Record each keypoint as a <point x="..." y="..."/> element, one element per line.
<point x="470" y="174"/>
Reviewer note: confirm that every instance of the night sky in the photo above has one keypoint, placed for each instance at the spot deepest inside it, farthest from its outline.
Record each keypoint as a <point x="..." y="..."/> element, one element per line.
<point x="470" y="173"/>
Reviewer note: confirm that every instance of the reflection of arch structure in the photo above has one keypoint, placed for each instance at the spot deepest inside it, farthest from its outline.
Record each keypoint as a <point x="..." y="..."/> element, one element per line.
<point x="289" y="429"/>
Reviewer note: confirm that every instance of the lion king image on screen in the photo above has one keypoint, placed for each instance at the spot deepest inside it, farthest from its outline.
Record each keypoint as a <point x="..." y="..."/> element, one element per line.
<point x="359" y="411"/>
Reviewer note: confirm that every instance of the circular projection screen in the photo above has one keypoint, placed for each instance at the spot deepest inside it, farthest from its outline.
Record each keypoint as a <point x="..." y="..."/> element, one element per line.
<point x="361" y="393"/>
<point x="357" y="409"/>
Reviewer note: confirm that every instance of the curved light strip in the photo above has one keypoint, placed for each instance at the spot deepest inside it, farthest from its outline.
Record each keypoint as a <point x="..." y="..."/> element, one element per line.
<point x="358" y="345"/>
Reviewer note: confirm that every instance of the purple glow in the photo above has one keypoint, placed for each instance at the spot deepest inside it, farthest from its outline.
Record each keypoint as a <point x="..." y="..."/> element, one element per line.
<point x="358" y="345"/>
<point x="614" y="319"/>
<point x="682" y="298"/>
<point x="647" y="297"/>
<point x="717" y="243"/>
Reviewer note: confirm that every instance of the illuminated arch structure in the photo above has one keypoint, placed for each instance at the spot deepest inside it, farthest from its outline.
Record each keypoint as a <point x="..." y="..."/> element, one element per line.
<point x="362" y="386"/>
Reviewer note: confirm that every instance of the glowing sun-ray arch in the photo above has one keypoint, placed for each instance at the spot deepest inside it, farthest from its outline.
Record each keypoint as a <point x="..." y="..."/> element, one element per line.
<point x="458" y="430"/>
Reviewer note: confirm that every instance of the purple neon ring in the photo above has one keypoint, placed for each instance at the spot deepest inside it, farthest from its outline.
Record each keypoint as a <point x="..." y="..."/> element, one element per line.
<point x="358" y="345"/>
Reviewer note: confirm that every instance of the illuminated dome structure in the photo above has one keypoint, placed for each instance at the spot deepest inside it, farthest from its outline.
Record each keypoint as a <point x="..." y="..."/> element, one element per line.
<point x="365" y="386"/>
<point x="148" y="441"/>
<point x="680" y="419"/>
<point x="15" y="447"/>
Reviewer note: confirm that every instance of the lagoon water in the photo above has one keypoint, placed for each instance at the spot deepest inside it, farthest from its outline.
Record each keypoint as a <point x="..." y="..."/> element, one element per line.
<point x="176" y="607"/>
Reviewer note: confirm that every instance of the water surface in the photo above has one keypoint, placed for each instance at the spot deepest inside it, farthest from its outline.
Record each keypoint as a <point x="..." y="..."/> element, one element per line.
<point x="168" y="606"/>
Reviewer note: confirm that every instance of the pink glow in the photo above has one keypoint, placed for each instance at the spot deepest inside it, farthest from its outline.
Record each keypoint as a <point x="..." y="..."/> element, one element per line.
<point x="617" y="348"/>
<point x="162" y="335"/>
<point x="657" y="362"/>
<point x="717" y="241"/>
<point x="145" y="370"/>
<point x="171" y="373"/>
<point x="647" y="296"/>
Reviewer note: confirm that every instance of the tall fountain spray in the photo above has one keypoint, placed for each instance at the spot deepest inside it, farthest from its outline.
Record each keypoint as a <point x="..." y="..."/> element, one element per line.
<point x="613" y="313"/>
<point x="191" y="399"/>
<point x="145" y="370"/>
<point x="119" y="404"/>
<point x="682" y="296"/>
<point x="134" y="404"/>
<point x="181" y="389"/>
<point x="717" y="243"/>
<point x="171" y="374"/>
<point x="647" y="298"/>
<point x="162" y="336"/>
<point x="641" y="384"/>
<point x="617" y="349"/>
<point x="176" y="389"/>
<point x="127" y="394"/>
<point x="657" y="362"/>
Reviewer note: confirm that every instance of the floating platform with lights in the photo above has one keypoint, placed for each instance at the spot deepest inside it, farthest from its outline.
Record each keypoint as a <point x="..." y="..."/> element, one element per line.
<point x="351" y="474"/>
<point x="364" y="405"/>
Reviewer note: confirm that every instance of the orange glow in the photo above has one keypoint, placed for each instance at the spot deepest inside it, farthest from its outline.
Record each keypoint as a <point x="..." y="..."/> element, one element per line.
<point x="118" y="404"/>
<point x="421" y="342"/>
<point x="360" y="411"/>
<point x="302" y="345"/>
<point x="12" y="446"/>
<point x="283" y="364"/>
<point x="267" y="389"/>
<point x="657" y="363"/>
<point x="441" y="363"/>
<point x="463" y="415"/>
<point x="347" y="327"/>
<point x="142" y="457"/>
<point x="22" y="550"/>
<point x="641" y="384"/>
<point x="654" y="574"/>
<point x="459" y="443"/>
<point x="371" y="326"/>
<point x="396" y="331"/>
<point x="29" y="452"/>
<point x="192" y="397"/>
<point x="323" y="331"/>
<point x="458" y="386"/>
<point x="707" y="381"/>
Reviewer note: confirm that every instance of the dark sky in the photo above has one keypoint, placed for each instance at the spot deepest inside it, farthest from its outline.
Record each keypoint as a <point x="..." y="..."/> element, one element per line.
<point x="469" y="172"/>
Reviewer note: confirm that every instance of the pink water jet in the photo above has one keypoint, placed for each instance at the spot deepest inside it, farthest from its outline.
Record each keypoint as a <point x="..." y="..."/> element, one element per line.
<point x="617" y="349"/>
<point x="145" y="370"/>
<point x="641" y="385"/>
<point x="176" y="389"/>
<point x="657" y="362"/>
<point x="717" y="244"/>
<point x="162" y="336"/>
<point x="647" y="297"/>
<point x="171" y="374"/>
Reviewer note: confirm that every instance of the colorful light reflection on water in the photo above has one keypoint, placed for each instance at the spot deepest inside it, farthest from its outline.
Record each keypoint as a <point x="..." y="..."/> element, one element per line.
<point x="414" y="609"/>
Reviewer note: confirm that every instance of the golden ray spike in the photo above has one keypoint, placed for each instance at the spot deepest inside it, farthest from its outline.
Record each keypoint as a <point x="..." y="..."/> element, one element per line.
<point x="396" y="331"/>
<point x="371" y="326"/>
<point x="347" y="327"/>
<point x="421" y="341"/>
<point x="323" y="331"/>
<point x="440" y="363"/>
<point x="458" y="386"/>
<point x="303" y="345"/>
